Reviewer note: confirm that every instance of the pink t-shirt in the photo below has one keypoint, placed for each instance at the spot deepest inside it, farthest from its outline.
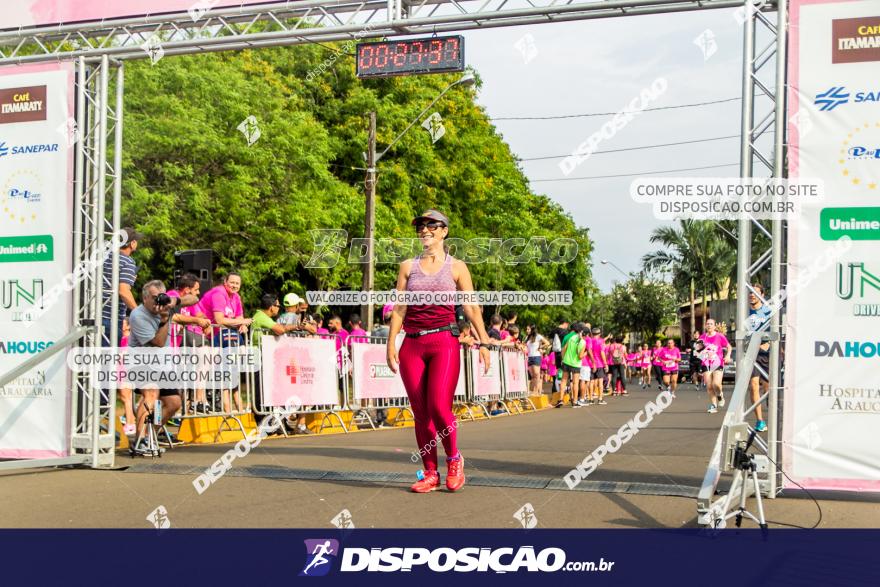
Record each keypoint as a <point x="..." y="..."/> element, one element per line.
<point x="358" y="335"/>
<point x="655" y="356"/>
<point x="177" y="329"/>
<point x="669" y="358"/>
<point x="712" y="355"/>
<point x="217" y="299"/>
<point x="586" y="362"/>
<point x="598" y="347"/>
<point x="646" y="358"/>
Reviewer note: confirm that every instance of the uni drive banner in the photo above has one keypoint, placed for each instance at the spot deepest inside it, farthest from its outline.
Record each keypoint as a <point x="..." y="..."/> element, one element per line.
<point x="36" y="219"/>
<point x="832" y="359"/>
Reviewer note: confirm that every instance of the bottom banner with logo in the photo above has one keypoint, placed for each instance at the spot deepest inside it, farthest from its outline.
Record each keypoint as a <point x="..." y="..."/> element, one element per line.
<point x="476" y="557"/>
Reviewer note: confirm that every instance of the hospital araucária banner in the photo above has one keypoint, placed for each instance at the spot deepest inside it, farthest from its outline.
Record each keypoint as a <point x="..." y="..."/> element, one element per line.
<point x="832" y="354"/>
<point x="36" y="220"/>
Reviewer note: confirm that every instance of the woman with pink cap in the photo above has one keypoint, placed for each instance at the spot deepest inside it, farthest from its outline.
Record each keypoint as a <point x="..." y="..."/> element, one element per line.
<point x="430" y="357"/>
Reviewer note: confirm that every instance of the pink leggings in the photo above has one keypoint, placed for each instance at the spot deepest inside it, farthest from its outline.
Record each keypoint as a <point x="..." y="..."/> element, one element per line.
<point x="429" y="367"/>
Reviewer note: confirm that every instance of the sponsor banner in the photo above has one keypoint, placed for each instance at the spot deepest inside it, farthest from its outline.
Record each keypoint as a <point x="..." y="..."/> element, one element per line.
<point x="30" y="13"/>
<point x="486" y="383"/>
<point x="371" y="377"/>
<point x="26" y="249"/>
<point x="832" y="407"/>
<point x="859" y="224"/>
<point x="515" y="372"/>
<point x="36" y="219"/>
<point x="855" y="40"/>
<point x="302" y="368"/>
<point x="22" y="104"/>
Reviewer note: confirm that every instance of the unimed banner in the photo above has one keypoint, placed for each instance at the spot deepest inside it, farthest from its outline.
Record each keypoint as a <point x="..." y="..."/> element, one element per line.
<point x="832" y="359"/>
<point x="302" y="370"/>
<point x="515" y="378"/>
<point x="29" y="13"/>
<point x="486" y="383"/>
<point x="36" y="221"/>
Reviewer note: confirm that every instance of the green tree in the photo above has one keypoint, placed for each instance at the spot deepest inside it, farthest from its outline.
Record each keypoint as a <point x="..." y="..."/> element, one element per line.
<point x="698" y="258"/>
<point x="192" y="181"/>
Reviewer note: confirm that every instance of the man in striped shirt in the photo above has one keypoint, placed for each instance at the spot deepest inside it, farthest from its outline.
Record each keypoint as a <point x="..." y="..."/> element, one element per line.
<point x="127" y="276"/>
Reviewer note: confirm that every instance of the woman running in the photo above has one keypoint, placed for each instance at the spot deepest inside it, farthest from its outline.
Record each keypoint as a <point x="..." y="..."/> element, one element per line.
<point x="430" y="358"/>
<point x="670" y="356"/>
<point x="645" y="366"/>
<point x="715" y="353"/>
<point x="657" y="363"/>
<point x="696" y="375"/>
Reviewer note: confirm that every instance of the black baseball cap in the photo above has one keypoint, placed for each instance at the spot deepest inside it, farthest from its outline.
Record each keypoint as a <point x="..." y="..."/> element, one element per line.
<point x="131" y="235"/>
<point x="431" y="215"/>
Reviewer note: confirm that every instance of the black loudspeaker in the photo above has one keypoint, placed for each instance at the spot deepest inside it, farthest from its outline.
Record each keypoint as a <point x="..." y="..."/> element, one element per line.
<point x="198" y="261"/>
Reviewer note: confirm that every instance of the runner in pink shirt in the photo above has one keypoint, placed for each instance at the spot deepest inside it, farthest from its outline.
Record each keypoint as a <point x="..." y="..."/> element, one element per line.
<point x="669" y="358"/>
<point x="656" y="364"/>
<point x="597" y="377"/>
<point x="645" y="366"/>
<point x="714" y="354"/>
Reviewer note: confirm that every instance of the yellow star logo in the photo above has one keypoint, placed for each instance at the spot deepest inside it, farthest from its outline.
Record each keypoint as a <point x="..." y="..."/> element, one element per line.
<point x="856" y="181"/>
<point x="846" y="171"/>
<point x="872" y="186"/>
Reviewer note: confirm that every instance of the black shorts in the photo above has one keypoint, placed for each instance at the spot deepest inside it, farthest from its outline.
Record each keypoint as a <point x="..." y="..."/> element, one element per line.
<point x="762" y="360"/>
<point x="162" y="392"/>
<point x="598" y="373"/>
<point x="570" y="369"/>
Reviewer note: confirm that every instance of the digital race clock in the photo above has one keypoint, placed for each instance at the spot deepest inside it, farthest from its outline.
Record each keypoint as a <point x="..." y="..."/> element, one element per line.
<point x="411" y="56"/>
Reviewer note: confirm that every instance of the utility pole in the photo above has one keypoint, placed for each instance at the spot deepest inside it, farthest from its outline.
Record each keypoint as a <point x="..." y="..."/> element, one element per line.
<point x="370" y="221"/>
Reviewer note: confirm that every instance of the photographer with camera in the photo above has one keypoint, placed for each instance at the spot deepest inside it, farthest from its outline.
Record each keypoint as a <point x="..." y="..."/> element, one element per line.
<point x="150" y="324"/>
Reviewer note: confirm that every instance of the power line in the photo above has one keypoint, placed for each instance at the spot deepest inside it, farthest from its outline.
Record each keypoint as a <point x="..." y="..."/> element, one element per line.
<point x="637" y="173"/>
<point x="563" y="116"/>
<point x="634" y="148"/>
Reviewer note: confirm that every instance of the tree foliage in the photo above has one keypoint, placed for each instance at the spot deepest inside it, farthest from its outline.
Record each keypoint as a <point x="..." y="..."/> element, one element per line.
<point x="191" y="181"/>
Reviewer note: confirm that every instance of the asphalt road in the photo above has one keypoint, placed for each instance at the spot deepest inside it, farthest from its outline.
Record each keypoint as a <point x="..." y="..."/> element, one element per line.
<point x="510" y="461"/>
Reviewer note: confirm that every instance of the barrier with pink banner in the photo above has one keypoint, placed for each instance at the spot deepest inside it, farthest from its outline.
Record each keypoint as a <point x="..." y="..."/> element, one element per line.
<point x="371" y="377"/>
<point x="373" y="380"/>
<point x="301" y="368"/>
<point x="486" y="384"/>
<point x="514" y="374"/>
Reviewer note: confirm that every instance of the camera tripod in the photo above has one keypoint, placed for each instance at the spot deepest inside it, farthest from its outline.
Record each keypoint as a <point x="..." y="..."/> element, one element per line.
<point x="746" y="470"/>
<point x="151" y="440"/>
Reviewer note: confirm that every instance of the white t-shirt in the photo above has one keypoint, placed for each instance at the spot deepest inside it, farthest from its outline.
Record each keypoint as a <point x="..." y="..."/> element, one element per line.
<point x="534" y="348"/>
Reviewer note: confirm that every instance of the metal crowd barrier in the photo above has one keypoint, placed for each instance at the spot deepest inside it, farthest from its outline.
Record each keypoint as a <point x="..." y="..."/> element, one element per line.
<point x="362" y="407"/>
<point x="329" y="410"/>
<point x="199" y="402"/>
<point x="519" y="398"/>
<point x="476" y="397"/>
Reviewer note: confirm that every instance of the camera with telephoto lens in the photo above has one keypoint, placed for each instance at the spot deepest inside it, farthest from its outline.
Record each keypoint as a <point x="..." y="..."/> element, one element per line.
<point x="163" y="299"/>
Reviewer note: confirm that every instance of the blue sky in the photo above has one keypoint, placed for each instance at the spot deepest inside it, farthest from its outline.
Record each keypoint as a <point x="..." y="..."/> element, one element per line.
<point x="600" y="66"/>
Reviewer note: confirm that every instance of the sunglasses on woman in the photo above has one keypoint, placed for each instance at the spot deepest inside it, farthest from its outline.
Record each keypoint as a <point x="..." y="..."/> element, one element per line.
<point x="432" y="226"/>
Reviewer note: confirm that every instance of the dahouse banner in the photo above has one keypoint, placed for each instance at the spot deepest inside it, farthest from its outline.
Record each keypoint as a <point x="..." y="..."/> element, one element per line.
<point x="832" y="354"/>
<point x="36" y="219"/>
